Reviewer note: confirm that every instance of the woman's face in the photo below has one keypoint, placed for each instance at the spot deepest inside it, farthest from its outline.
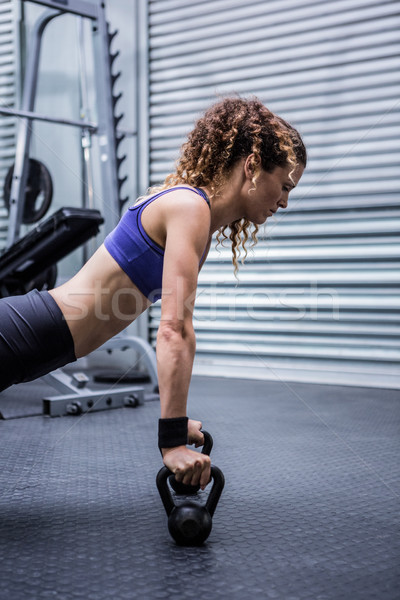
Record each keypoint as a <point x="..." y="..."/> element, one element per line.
<point x="272" y="192"/>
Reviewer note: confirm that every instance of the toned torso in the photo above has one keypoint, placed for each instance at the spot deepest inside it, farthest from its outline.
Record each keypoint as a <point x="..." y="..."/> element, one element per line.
<point x="101" y="300"/>
<point x="98" y="302"/>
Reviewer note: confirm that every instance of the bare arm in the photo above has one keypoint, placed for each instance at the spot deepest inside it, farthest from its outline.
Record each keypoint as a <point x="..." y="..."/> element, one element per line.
<point x="204" y="257"/>
<point x="187" y="235"/>
<point x="176" y="343"/>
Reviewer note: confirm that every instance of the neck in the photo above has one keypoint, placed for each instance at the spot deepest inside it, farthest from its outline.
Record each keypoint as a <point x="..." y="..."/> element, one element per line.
<point x="223" y="212"/>
<point x="226" y="206"/>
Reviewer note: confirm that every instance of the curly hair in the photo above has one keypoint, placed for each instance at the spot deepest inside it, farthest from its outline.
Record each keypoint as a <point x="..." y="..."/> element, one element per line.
<point x="229" y="130"/>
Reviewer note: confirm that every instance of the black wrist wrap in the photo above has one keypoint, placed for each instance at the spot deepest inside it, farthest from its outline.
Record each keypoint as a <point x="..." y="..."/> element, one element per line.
<point x="172" y="432"/>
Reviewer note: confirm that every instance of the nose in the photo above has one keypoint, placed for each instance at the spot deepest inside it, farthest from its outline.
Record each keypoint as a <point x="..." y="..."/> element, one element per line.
<point x="282" y="203"/>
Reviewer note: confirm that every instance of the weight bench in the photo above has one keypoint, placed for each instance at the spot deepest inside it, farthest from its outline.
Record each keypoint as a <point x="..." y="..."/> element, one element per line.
<point x="25" y="264"/>
<point x="31" y="262"/>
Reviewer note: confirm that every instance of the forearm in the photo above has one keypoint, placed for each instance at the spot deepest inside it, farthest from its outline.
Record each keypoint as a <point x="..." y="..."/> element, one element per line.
<point x="175" y="355"/>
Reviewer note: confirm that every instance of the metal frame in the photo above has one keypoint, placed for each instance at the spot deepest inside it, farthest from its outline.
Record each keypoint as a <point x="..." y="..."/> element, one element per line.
<point x="143" y="96"/>
<point x="141" y="325"/>
<point x="76" y="7"/>
<point x="34" y="116"/>
<point x="76" y="396"/>
<point x="104" y="129"/>
<point x="10" y="92"/>
<point x="145" y="351"/>
<point x="25" y="130"/>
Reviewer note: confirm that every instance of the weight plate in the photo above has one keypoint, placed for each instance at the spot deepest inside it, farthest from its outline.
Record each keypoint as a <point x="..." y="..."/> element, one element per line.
<point x="38" y="191"/>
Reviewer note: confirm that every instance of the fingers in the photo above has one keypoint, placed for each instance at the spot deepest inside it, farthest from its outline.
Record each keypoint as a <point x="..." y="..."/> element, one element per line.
<point x="188" y="466"/>
<point x="195" y="424"/>
<point x="196" y="474"/>
<point x="199" y="473"/>
<point x="194" y="434"/>
<point x="205" y="474"/>
<point x="200" y="441"/>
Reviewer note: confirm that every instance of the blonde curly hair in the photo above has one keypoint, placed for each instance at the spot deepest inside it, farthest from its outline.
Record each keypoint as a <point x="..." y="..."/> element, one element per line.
<point x="229" y="130"/>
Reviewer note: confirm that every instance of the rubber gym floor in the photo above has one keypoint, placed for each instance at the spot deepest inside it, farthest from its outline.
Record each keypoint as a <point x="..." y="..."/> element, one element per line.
<point x="310" y="508"/>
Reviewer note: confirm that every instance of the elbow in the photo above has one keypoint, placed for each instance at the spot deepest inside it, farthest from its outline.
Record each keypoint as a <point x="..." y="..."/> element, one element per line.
<point x="175" y="331"/>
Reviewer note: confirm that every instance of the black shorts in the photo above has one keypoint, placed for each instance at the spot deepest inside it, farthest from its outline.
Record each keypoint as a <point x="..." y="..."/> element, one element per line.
<point x="34" y="338"/>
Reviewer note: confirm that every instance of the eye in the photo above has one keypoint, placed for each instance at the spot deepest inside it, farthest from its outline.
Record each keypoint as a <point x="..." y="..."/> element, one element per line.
<point x="286" y="189"/>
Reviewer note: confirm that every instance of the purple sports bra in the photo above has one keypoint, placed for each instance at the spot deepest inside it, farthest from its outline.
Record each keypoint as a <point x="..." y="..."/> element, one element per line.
<point x="136" y="253"/>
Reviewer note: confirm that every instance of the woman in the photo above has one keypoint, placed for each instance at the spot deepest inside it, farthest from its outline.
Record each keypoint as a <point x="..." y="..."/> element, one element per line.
<point x="236" y="169"/>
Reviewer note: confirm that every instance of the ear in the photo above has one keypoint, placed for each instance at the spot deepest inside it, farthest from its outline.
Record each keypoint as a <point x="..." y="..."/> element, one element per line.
<point x="249" y="167"/>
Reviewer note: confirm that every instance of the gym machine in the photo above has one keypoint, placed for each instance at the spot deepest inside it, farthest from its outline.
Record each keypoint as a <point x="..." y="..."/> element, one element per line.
<point x="30" y="261"/>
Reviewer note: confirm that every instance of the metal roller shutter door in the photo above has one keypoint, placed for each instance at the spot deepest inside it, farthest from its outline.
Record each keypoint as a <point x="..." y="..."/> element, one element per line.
<point x="318" y="300"/>
<point x="9" y="53"/>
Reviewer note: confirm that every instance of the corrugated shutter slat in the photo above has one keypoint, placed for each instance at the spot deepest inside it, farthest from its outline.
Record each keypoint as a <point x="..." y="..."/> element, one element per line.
<point x="319" y="297"/>
<point x="8" y="97"/>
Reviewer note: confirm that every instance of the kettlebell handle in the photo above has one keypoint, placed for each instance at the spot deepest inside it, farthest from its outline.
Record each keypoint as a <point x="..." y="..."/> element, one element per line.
<point x="213" y="497"/>
<point x="208" y="443"/>
<point x="216" y="490"/>
<point x="163" y="489"/>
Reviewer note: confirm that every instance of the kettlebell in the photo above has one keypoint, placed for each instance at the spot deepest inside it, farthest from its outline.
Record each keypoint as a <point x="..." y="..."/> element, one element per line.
<point x="188" y="490"/>
<point x="189" y="523"/>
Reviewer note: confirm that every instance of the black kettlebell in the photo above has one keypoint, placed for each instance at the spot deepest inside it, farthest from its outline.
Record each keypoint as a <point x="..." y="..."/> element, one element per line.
<point x="188" y="490"/>
<point x="189" y="523"/>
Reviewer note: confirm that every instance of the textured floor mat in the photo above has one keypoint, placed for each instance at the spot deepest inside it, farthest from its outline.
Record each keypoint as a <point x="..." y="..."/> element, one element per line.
<point x="309" y="510"/>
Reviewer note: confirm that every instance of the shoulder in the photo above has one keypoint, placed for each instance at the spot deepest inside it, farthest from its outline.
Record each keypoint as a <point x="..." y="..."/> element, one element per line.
<point x="185" y="204"/>
<point x="186" y="215"/>
<point x="188" y="195"/>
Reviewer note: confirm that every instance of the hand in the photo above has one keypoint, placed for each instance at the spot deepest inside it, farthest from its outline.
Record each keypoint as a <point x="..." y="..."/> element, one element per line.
<point x="188" y="466"/>
<point x="194" y="434"/>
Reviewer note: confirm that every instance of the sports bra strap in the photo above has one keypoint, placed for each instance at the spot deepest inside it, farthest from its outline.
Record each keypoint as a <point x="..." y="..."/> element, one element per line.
<point x="198" y="191"/>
